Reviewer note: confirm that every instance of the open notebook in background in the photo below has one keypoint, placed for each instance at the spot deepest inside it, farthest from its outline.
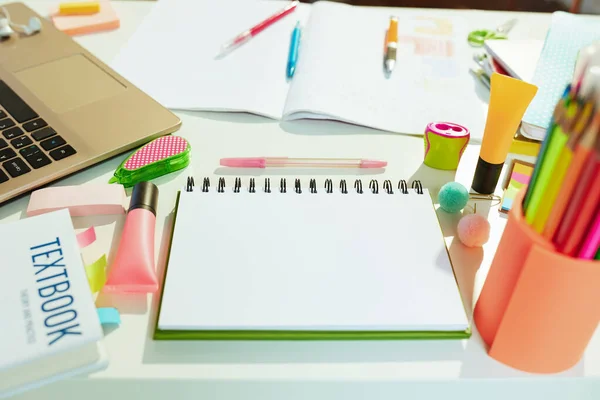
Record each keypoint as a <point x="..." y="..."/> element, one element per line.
<point x="567" y="35"/>
<point x="257" y="265"/>
<point x="339" y="73"/>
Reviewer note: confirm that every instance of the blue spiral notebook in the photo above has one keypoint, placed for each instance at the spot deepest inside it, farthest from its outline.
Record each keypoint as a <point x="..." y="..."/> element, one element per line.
<point x="567" y="35"/>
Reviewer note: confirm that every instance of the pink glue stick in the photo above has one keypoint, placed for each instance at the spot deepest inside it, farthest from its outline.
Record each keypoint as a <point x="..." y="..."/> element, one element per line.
<point x="133" y="270"/>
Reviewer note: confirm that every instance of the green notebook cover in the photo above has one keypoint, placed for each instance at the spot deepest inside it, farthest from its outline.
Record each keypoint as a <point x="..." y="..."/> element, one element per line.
<point x="160" y="334"/>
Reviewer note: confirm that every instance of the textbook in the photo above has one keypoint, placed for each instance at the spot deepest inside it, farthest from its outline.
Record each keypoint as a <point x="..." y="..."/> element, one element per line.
<point x="49" y="327"/>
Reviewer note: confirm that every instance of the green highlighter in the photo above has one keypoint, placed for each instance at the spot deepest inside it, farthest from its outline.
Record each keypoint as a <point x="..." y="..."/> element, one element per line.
<point x="160" y="157"/>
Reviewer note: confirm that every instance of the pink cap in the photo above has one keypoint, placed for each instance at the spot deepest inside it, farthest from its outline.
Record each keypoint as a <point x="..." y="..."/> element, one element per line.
<point x="372" y="164"/>
<point x="246" y="162"/>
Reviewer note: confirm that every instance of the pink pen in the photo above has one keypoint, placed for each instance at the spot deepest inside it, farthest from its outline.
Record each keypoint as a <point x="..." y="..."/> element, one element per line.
<point x="256" y="29"/>
<point x="285" y="162"/>
<point x="592" y="241"/>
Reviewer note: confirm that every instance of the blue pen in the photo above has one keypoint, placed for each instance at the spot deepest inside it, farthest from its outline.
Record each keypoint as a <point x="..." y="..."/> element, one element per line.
<point x="293" y="55"/>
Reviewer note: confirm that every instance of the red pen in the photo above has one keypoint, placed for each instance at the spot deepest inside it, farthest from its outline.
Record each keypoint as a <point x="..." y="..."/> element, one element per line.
<point x="256" y="29"/>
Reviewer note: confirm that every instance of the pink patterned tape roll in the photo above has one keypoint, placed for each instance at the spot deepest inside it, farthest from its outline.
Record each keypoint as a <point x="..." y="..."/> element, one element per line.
<point x="156" y="150"/>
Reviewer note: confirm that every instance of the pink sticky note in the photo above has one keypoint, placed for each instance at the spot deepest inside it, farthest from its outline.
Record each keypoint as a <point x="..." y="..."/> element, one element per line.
<point x="522" y="178"/>
<point x="81" y="200"/>
<point x="86" y="237"/>
<point x="104" y="20"/>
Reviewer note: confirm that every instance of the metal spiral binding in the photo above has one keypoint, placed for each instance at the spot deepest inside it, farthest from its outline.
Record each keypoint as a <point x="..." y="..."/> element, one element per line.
<point x="343" y="187"/>
<point x="313" y="186"/>
<point x="388" y="187"/>
<point x="329" y="186"/>
<point x="283" y="185"/>
<point x="358" y="186"/>
<point x="189" y="187"/>
<point x="418" y="187"/>
<point x="374" y="186"/>
<point x="403" y="186"/>
<point x="221" y="186"/>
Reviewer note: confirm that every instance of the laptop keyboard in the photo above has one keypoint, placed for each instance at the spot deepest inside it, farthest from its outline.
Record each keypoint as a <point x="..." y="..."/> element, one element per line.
<point x="27" y="141"/>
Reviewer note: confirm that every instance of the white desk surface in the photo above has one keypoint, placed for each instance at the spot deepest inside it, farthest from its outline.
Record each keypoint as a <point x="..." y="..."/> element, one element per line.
<point x="146" y="369"/>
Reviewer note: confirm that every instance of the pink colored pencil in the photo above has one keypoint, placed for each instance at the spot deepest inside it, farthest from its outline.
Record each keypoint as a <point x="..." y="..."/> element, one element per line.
<point x="592" y="241"/>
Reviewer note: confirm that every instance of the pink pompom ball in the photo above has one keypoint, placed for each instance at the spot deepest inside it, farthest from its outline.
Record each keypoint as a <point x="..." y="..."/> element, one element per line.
<point x="473" y="230"/>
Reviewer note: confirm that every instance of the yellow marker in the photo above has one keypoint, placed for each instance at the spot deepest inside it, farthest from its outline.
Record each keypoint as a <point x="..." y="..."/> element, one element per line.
<point x="81" y="8"/>
<point x="509" y="98"/>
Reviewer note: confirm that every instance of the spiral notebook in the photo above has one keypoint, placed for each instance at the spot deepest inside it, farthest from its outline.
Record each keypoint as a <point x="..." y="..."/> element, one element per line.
<point x="294" y="259"/>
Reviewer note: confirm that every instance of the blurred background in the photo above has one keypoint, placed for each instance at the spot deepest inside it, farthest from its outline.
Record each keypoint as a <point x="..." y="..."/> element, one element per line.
<point x="575" y="6"/>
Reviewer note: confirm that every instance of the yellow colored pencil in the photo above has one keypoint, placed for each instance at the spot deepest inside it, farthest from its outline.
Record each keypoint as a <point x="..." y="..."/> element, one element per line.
<point x="558" y="140"/>
<point x="561" y="167"/>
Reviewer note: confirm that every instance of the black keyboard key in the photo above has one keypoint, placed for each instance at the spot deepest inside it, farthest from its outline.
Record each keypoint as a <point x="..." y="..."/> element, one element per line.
<point x="35" y="124"/>
<point x="43" y="133"/>
<point x="30" y="151"/>
<point x="6" y="123"/>
<point x="13" y="132"/>
<point x="34" y="156"/>
<point x="3" y="115"/>
<point x="63" y="152"/>
<point x="21" y="142"/>
<point x="52" y="143"/>
<point x="16" y="167"/>
<point x="7" y="154"/>
<point x="3" y="143"/>
<point x="3" y="177"/>
<point x="15" y="105"/>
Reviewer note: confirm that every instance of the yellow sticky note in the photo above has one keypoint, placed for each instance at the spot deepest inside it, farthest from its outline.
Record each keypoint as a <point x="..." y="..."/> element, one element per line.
<point x="523" y="169"/>
<point x="79" y="8"/>
<point x="96" y="274"/>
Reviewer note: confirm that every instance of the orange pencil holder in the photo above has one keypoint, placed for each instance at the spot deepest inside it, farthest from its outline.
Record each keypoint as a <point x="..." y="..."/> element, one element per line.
<point x="538" y="309"/>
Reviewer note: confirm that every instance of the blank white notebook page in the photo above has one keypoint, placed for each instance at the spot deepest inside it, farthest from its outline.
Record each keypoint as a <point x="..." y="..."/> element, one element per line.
<point x="171" y="56"/>
<point x="340" y="70"/>
<point x="288" y="261"/>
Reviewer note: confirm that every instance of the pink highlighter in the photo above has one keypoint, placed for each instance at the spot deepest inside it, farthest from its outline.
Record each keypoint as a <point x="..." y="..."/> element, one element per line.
<point x="133" y="270"/>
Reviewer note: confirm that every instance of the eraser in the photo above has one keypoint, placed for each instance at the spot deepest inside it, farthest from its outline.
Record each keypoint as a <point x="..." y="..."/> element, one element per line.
<point x="79" y="8"/>
<point x="80" y="200"/>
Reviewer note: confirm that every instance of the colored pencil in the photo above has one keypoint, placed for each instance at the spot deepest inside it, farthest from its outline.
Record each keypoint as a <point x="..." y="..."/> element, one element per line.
<point x="580" y="157"/>
<point x="558" y="110"/>
<point x="581" y="208"/>
<point x="556" y="116"/>
<point x="559" y="171"/>
<point x="592" y="241"/>
<point x="558" y="140"/>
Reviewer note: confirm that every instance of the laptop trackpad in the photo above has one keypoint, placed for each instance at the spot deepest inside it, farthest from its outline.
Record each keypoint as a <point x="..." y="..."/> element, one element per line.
<point x="69" y="82"/>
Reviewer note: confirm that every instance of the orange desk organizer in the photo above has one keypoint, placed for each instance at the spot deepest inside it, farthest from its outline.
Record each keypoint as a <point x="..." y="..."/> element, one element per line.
<point x="538" y="309"/>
